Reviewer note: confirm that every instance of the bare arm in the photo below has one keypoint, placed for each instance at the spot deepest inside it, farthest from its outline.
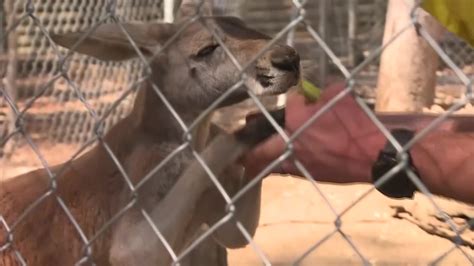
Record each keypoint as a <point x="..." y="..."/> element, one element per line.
<point x="445" y="161"/>
<point x="444" y="157"/>
<point x="342" y="145"/>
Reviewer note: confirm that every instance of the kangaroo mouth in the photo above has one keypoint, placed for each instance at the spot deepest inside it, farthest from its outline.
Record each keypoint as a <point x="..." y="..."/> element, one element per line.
<point x="274" y="82"/>
<point x="265" y="80"/>
<point x="236" y="113"/>
<point x="263" y="85"/>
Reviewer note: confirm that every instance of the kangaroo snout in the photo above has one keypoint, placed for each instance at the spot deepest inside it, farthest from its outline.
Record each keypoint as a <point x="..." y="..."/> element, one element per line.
<point x="278" y="70"/>
<point x="285" y="58"/>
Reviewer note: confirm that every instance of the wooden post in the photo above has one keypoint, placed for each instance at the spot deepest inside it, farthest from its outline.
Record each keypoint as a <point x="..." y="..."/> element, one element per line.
<point x="407" y="75"/>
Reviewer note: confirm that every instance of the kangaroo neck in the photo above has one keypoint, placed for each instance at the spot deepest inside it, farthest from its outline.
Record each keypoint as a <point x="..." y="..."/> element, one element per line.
<point x="152" y="117"/>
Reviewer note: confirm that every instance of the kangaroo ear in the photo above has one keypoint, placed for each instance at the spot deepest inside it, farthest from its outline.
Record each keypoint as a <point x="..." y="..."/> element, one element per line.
<point x="109" y="42"/>
<point x="188" y="8"/>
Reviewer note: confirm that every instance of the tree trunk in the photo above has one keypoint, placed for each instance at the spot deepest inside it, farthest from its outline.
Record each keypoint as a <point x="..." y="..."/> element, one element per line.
<point x="407" y="75"/>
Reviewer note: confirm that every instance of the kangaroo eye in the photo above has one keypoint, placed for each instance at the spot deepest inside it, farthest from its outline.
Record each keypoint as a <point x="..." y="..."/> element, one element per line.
<point x="208" y="50"/>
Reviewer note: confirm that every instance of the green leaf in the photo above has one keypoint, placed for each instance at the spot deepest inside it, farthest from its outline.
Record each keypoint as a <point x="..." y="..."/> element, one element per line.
<point x="310" y="91"/>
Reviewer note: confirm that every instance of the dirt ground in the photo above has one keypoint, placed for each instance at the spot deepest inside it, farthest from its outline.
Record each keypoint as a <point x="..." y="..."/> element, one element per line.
<point x="295" y="217"/>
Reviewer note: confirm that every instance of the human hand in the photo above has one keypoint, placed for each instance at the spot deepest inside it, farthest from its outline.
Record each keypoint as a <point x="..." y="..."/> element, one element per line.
<point x="340" y="146"/>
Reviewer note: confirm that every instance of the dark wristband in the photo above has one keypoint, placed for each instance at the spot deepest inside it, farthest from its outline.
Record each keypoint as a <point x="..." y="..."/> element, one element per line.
<point x="399" y="185"/>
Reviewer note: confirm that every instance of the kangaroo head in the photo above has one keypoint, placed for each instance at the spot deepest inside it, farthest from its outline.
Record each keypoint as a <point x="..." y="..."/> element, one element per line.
<point x="194" y="70"/>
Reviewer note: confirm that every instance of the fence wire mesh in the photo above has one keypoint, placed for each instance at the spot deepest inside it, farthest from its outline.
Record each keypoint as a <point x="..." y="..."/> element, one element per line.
<point x="57" y="83"/>
<point x="31" y="59"/>
<point x="57" y="116"/>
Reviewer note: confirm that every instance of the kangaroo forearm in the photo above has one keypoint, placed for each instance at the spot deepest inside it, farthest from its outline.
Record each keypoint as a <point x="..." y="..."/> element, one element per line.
<point x="247" y="212"/>
<point x="225" y="149"/>
<point x="445" y="164"/>
<point x="172" y="215"/>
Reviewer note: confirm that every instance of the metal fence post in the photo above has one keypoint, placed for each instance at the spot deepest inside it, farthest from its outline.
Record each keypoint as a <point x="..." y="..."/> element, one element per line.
<point x="168" y="10"/>
<point x="352" y="31"/>
<point x="10" y="76"/>
<point x="322" y="28"/>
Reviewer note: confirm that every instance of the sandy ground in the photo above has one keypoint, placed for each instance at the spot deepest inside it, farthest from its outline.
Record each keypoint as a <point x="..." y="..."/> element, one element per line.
<point x="295" y="217"/>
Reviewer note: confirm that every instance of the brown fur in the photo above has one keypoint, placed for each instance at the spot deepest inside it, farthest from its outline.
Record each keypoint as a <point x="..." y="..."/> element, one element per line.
<point x="93" y="189"/>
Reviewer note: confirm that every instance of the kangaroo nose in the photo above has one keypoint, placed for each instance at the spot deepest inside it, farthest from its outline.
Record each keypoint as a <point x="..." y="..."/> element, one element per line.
<point x="285" y="58"/>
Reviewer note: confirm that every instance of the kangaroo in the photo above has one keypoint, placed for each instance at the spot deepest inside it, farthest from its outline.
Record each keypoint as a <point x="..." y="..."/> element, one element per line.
<point x="191" y="74"/>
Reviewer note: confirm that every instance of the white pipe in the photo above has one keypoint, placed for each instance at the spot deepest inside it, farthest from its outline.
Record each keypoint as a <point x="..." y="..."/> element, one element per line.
<point x="168" y="7"/>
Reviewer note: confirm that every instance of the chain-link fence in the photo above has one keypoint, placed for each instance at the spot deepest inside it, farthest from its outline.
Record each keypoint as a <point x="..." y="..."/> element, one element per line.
<point x="31" y="62"/>
<point x="356" y="30"/>
<point x="52" y="85"/>
<point x="352" y="29"/>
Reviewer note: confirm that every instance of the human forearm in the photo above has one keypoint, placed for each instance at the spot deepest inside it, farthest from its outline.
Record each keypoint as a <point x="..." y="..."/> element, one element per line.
<point x="444" y="158"/>
<point x="342" y="145"/>
<point x="445" y="161"/>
